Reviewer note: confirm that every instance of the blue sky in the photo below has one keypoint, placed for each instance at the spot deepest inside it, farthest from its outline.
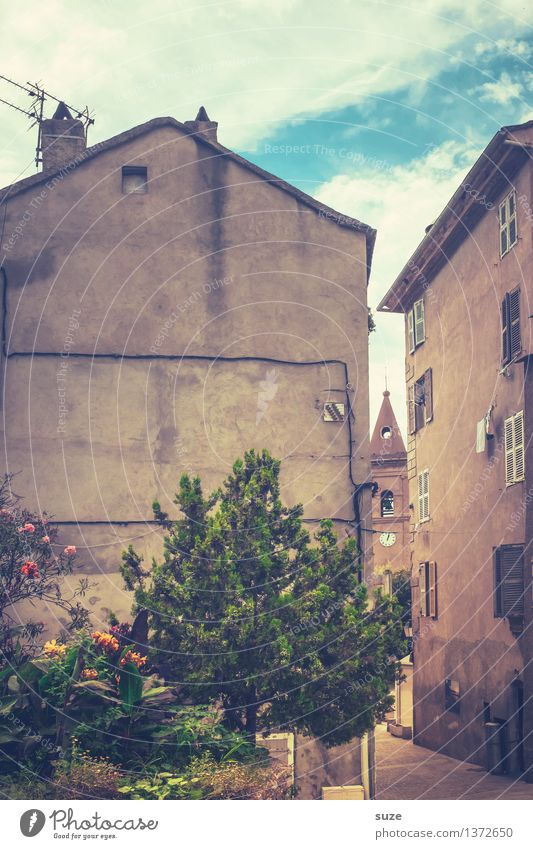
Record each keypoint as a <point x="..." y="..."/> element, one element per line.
<point x="390" y="101"/>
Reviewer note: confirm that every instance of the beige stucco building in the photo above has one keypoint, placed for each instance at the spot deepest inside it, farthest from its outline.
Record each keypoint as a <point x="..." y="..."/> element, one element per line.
<point x="167" y="305"/>
<point x="466" y="294"/>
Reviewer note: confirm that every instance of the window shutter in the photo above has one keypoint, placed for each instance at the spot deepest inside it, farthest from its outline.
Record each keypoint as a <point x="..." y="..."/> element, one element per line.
<point x="508" y="450"/>
<point x="423" y="495"/>
<point x="505" y="331"/>
<point x="411" y="412"/>
<point x="513" y="323"/>
<point x="511" y="213"/>
<point x="420" y="329"/>
<point x="411" y="331"/>
<point x="518" y="445"/>
<point x="422" y="586"/>
<point x="432" y="580"/>
<point x="498" y="607"/>
<point x="512" y="580"/>
<point x="428" y="394"/>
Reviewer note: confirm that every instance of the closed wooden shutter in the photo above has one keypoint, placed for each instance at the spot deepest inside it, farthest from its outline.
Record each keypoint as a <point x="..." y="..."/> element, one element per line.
<point x="515" y="343"/>
<point x="508" y="451"/>
<point x="518" y="439"/>
<point x="514" y="448"/>
<point x="509" y="584"/>
<point x="505" y="331"/>
<point x="411" y="411"/>
<point x="411" y="330"/>
<point x="513" y="581"/>
<point x="422" y="586"/>
<point x="428" y="394"/>
<point x="420" y="329"/>
<point x="432" y="580"/>
<point x="423" y="496"/>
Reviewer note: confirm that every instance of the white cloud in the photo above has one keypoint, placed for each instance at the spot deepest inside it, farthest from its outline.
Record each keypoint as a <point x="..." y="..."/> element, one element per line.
<point x="253" y="64"/>
<point x="399" y="202"/>
<point x="501" y="91"/>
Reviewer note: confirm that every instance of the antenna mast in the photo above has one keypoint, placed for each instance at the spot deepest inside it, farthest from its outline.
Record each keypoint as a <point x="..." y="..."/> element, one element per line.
<point x="36" y="110"/>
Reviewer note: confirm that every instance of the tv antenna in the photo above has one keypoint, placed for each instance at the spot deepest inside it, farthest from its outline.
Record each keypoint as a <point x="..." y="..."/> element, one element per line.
<point x="35" y="110"/>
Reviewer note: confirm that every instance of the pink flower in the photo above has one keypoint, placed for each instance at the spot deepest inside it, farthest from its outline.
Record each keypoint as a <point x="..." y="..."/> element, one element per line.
<point x="28" y="528"/>
<point x="30" y="569"/>
<point x="46" y="539"/>
<point x="70" y="549"/>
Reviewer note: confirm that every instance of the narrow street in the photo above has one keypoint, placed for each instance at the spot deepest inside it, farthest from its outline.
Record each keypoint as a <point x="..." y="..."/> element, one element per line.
<point x="406" y="771"/>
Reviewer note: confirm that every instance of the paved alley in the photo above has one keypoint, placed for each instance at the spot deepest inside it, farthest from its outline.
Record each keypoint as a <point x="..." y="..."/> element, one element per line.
<point x="406" y="771"/>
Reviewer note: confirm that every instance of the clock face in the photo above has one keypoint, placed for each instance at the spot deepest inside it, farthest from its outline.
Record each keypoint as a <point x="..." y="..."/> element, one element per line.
<point x="387" y="538"/>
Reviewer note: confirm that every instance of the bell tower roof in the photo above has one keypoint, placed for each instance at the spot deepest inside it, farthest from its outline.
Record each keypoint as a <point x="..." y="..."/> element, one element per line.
<point x="387" y="441"/>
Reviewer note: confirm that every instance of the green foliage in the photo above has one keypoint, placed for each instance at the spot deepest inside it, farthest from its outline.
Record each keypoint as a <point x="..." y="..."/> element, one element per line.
<point x="401" y="588"/>
<point x="206" y="778"/>
<point x="246" y="612"/>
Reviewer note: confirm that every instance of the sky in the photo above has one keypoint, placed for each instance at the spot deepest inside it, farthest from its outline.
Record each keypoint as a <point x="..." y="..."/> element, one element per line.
<point x="376" y="108"/>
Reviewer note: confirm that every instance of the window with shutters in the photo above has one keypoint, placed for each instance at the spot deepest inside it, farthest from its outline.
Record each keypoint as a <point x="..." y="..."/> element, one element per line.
<point x="509" y="584"/>
<point x="387" y="503"/>
<point x="514" y="448"/>
<point x="423" y="496"/>
<point x="416" y="327"/>
<point x="427" y="574"/>
<point x="508" y="228"/>
<point x="420" y="402"/>
<point x="511" y="341"/>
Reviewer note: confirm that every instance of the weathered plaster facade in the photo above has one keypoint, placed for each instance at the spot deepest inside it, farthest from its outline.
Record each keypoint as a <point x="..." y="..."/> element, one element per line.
<point x="461" y="277"/>
<point x="168" y="330"/>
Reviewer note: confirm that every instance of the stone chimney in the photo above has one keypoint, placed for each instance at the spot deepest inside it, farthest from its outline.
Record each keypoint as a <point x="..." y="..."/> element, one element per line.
<point x="203" y="126"/>
<point x="62" y="139"/>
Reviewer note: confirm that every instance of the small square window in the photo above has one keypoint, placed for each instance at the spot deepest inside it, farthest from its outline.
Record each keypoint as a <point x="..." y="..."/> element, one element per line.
<point x="134" y="180"/>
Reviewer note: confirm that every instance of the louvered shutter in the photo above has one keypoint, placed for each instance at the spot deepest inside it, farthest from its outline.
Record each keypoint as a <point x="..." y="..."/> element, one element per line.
<point x="505" y="331"/>
<point x="508" y="450"/>
<point x="512" y="580"/>
<point x="422" y="587"/>
<point x="432" y="580"/>
<point x="513" y="325"/>
<point x="420" y="330"/>
<point x="423" y="495"/>
<point x="411" y="330"/>
<point x="518" y="446"/>
<point x="428" y="394"/>
<point x="503" y="227"/>
<point x="411" y="412"/>
<point x="498" y="611"/>
<point x="511" y="213"/>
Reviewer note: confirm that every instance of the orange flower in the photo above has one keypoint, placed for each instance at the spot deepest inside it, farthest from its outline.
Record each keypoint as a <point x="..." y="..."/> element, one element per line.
<point x="70" y="550"/>
<point x="89" y="674"/>
<point x="105" y="641"/>
<point x="133" y="657"/>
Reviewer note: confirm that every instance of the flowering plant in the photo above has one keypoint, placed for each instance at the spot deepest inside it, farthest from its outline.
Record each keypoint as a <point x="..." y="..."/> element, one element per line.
<point x="31" y="569"/>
